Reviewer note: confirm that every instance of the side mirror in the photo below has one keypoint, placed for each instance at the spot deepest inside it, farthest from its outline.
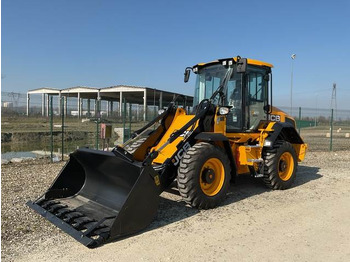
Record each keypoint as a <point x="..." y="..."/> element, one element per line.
<point x="187" y="74"/>
<point x="268" y="109"/>
<point x="242" y="65"/>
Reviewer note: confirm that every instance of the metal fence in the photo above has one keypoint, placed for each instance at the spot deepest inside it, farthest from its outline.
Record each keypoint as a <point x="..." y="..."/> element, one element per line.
<point x="322" y="129"/>
<point x="62" y="133"/>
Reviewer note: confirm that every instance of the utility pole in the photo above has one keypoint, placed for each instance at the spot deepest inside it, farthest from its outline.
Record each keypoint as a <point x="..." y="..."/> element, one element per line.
<point x="316" y="109"/>
<point x="334" y="100"/>
<point x="293" y="56"/>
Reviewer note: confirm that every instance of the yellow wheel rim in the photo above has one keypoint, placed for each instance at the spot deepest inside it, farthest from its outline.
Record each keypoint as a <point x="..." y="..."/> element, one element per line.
<point x="286" y="166"/>
<point x="212" y="177"/>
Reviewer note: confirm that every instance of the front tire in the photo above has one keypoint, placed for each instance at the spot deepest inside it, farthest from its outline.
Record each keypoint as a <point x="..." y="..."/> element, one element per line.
<point x="280" y="166"/>
<point x="204" y="176"/>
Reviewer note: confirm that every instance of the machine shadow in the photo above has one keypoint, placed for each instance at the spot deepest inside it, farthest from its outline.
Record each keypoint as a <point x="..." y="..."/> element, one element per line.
<point x="174" y="209"/>
<point x="169" y="211"/>
<point x="306" y="174"/>
<point x="246" y="186"/>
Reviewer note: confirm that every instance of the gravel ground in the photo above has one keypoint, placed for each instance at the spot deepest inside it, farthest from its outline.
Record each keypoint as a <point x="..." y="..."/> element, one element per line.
<point x="308" y="222"/>
<point x="21" y="228"/>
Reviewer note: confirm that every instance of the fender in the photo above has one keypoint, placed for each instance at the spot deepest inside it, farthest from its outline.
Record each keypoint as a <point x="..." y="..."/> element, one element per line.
<point x="283" y="131"/>
<point x="218" y="137"/>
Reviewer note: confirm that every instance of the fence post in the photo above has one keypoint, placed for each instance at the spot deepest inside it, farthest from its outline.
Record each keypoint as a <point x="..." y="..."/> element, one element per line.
<point x="331" y="141"/>
<point x="129" y="120"/>
<point x="315" y="121"/>
<point x="97" y="114"/>
<point x="124" y="120"/>
<point x="51" y="129"/>
<point x="62" y="116"/>
<point x="299" y="119"/>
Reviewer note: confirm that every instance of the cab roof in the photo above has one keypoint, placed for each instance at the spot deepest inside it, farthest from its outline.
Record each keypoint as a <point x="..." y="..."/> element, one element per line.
<point x="250" y="62"/>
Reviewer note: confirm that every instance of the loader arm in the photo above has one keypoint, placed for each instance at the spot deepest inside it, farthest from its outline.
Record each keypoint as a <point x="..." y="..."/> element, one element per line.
<point x="101" y="196"/>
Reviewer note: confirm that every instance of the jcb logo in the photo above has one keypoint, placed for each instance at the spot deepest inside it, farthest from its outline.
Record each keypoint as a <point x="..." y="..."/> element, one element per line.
<point x="275" y="118"/>
<point x="181" y="153"/>
<point x="186" y="133"/>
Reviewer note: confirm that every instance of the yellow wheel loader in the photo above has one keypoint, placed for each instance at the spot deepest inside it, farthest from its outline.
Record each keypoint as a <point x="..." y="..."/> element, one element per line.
<point x="234" y="129"/>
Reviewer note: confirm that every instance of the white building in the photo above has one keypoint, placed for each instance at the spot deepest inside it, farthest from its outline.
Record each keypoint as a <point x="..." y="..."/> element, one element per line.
<point x="144" y="96"/>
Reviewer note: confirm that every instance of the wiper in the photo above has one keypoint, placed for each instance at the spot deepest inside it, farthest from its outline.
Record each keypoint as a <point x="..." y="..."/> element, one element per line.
<point x="221" y="87"/>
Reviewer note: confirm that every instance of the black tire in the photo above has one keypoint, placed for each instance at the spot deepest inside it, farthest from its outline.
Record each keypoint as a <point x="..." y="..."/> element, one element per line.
<point x="280" y="166"/>
<point x="131" y="148"/>
<point x="197" y="182"/>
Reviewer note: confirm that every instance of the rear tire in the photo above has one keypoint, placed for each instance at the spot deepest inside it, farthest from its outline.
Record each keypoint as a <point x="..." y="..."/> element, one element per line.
<point x="280" y="166"/>
<point x="204" y="176"/>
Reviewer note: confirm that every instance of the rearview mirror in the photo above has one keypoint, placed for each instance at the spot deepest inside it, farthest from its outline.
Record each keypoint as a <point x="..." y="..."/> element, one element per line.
<point x="187" y="74"/>
<point x="242" y="65"/>
<point x="268" y="109"/>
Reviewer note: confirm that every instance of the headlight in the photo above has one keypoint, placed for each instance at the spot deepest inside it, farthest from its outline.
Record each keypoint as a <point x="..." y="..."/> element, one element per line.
<point x="224" y="110"/>
<point x="160" y="111"/>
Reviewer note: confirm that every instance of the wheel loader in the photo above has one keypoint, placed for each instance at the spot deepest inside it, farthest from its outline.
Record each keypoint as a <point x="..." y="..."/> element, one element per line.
<point x="233" y="129"/>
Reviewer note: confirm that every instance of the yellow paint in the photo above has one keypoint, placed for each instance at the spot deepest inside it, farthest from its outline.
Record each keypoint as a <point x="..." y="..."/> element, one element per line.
<point x="241" y="169"/>
<point x="180" y="119"/>
<point x="242" y="152"/>
<point x="285" y="166"/>
<point x="250" y="62"/>
<point x="300" y="149"/>
<point x="247" y="153"/>
<point x="142" y="151"/>
<point x="258" y="63"/>
<point x="214" y="187"/>
<point x="242" y="137"/>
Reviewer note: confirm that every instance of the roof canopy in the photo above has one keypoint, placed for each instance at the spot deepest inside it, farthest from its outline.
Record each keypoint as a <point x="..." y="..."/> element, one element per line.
<point x="131" y="94"/>
<point x="44" y="90"/>
<point x="250" y="62"/>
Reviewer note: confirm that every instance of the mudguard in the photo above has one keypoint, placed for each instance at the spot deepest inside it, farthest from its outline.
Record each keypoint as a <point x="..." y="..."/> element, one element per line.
<point x="283" y="131"/>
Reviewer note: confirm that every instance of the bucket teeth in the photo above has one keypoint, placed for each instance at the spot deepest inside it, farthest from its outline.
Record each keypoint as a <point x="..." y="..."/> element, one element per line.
<point x="55" y="207"/>
<point x="70" y="216"/>
<point x="41" y="201"/>
<point x="47" y="204"/>
<point x="89" y="225"/>
<point x="99" y="231"/>
<point x="62" y="212"/>
<point x="77" y="220"/>
<point x="78" y="223"/>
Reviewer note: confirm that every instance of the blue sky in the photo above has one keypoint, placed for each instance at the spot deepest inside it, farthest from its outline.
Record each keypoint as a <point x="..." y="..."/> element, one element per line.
<point x="64" y="43"/>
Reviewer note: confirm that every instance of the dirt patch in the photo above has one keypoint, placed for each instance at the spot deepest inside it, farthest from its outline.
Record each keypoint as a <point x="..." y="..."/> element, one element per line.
<point x="20" y="137"/>
<point x="305" y="223"/>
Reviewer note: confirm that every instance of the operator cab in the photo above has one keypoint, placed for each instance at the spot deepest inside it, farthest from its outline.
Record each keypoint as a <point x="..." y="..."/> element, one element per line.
<point x="245" y="92"/>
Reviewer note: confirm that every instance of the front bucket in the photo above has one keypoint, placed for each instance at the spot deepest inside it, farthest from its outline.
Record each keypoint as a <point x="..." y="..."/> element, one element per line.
<point x="98" y="197"/>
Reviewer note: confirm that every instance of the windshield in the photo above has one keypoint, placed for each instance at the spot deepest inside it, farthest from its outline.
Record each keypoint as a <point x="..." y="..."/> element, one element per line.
<point x="208" y="81"/>
<point x="250" y="88"/>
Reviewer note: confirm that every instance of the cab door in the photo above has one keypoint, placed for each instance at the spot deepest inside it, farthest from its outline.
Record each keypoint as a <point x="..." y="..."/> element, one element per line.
<point x="256" y="97"/>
